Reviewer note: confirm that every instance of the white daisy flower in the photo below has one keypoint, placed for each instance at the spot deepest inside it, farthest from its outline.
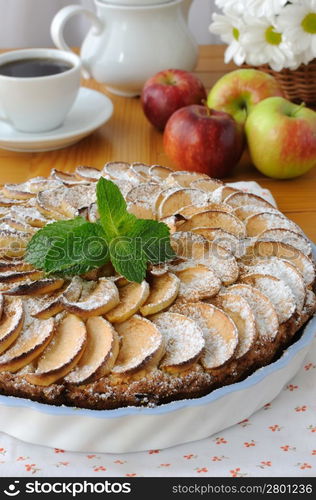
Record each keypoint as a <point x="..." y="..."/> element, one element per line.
<point x="297" y="22"/>
<point x="264" y="45"/>
<point x="229" y="28"/>
<point x="264" y="8"/>
<point x="231" y="6"/>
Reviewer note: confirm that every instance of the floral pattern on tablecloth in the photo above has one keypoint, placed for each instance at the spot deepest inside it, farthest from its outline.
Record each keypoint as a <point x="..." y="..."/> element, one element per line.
<point x="278" y="440"/>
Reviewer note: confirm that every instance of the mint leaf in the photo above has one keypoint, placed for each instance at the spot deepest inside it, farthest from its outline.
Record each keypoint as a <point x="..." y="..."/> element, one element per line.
<point x="128" y="259"/>
<point x="112" y="207"/>
<point x="155" y="238"/>
<point x="45" y="238"/>
<point x="82" y="249"/>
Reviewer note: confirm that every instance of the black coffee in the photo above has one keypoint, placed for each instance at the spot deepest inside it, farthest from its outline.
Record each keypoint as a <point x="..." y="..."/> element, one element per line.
<point x="30" y="68"/>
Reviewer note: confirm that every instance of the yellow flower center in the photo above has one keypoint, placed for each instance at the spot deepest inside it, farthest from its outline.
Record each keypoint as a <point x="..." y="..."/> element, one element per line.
<point x="236" y="33"/>
<point x="309" y="23"/>
<point x="273" y="37"/>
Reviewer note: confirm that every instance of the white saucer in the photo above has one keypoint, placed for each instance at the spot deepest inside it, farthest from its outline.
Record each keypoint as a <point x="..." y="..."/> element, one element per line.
<point x="90" y="110"/>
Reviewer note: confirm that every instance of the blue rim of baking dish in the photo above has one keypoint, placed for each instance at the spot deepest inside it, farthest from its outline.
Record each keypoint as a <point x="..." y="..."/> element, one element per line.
<point x="253" y="379"/>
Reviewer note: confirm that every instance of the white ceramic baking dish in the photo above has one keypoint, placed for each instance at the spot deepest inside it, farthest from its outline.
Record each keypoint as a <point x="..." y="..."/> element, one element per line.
<point x="135" y="429"/>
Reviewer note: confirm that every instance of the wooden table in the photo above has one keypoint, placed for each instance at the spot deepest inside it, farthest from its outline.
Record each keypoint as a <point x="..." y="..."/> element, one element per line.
<point x="129" y="137"/>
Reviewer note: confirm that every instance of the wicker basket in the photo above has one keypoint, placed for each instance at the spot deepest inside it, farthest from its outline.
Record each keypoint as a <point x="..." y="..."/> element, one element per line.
<point x="298" y="85"/>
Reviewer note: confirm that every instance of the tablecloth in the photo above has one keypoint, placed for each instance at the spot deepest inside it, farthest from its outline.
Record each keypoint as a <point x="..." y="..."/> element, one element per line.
<point x="278" y="440"/>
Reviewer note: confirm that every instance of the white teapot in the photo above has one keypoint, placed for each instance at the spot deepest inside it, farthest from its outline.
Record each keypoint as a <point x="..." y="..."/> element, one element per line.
<point x="129" y="43"/>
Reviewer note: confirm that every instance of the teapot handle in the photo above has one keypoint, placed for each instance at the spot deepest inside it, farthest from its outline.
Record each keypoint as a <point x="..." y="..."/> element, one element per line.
<point x="59" y="22"/>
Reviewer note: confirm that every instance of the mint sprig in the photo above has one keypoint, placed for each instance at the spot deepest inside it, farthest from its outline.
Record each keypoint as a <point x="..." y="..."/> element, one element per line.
<point x="76" y="246"/>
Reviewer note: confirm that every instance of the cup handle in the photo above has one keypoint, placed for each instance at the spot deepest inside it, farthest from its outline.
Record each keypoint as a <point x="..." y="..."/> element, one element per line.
<point x="59" y="22"/>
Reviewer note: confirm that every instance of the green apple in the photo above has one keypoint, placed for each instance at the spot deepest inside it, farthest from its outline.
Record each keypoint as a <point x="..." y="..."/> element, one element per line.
<point x="239" y="91"/>
<point x="282" y="138"/>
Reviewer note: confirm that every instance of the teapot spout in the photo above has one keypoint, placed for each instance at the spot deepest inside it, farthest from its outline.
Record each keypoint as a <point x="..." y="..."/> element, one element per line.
<point x="186" y="6"/>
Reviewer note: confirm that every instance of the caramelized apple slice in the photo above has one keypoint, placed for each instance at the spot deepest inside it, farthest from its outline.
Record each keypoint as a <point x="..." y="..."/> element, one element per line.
<point x="159" y="173"/>
<point x="100" y="354"/>
<point x="297" y="240"/>
<point x="219" y="331"/>
<point x="66" y="178"/>
<point x="30" y="215"/>
<point x="141" y="210"/>
<point x="163" y="292"/>
<point x="116" y="170"/>
<point x="182" y="178"/>
<point x="14" y="265"/>
<point x="264" y="249"/>
<point x="216" y="219"/>
<point x="240" y="199"/>
<point x="183" y="339"/>
<point x="207" y="185"/>
<point x="142" y="346"/>
<point x="276" y="290"/>
<point x="197" y="282"/>
<point x="18" y="191"/>
<point x="99" y="301"/>
<point x="222" y="192"/>
<point x="14" y="276"/>
<point x="141" y="170"/>
<point x="13" y="242"/>
<point x="40" y="287"/>
<point x="208" y="253"/>
<point x="191" y="210"/>
<point x="220" y="237"/>
<point x="240" y="312"/>
<point x="62" y="354"/>
<point x="11" y="321"/>
<point x="265" y="314"/>
<point x="176" y="200"/>
<point x="132" y="297"/>
<point x="286" y="272"/>
<point x="145" y="193"/>
<point x="257" y="224"/>
<point x="33" y="339"/>
<point x="246" y="211"/>
<point x="88" y="174"/>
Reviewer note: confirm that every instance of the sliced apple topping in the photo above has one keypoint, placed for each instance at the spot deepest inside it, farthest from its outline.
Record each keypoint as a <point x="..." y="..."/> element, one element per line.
<point x="141" y="170"/>
<point x="63" y="352"/>
<point x="276" y="290"/>
<point x="191" y="210"/>
<point x="297" y="240"/>
<point x="267" y="249"/>
<point x="219" y="331"/>
<point x="208" y="253"/>
<point x="16" y="223"/>
<point x="207" y="185"/>
<point x="220" y="237"/>
<point x="33" y="339"/>
<point x="176" y="200"/>
<point x="14" y="276"/>
<point x="18" y="191"/>
<point x="283" y="270"/>
<point x="100" y="354"/>
<point x="116" y="170"/>
<point x="221" y="193"/>
<point x="159" y="173"/>
<point x="266" y="319"/>
<point x="132" y="297"/>
<point x="241" y="313"/>
<point x="216" y="219"/>
<point x="96" y="302"/>
<point x="88" y="174"/>
<point x="30" y="215"/>
<point x="142" y="346"/>
<point x="240" y="199"/>
<point x="183" y="339"/>
<point x="66" y="178"/>
<point x="164" y="290"/>
<point x="14" y="265"/>
<point x="257" y="224"/>
<point x="13" y="242"/>
<point x="184" y="178"/>
<point x="40" y="287"/>
<point x="197" y="282"/>
<point x="48" y="202"/>
<point x="141" y="210"/>
<point x="246" y="211"/>
<point x="12" y="316"/>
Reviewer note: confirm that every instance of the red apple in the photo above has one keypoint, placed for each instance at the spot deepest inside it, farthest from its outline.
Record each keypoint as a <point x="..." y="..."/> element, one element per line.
<point x="203" y="140"/>
<point x="168" y="91"/>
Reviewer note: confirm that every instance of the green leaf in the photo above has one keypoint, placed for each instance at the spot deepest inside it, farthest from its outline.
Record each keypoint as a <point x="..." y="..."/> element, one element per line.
<point x="81" y="250"/>
<point x="112" y="207"/>
<point x="46" y="237"/>
<point x="155" y="237"/>
<point x="128" y="259"/>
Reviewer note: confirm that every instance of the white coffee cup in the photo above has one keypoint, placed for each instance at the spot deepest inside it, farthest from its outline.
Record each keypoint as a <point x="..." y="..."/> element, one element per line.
<point x="41" y="103"/>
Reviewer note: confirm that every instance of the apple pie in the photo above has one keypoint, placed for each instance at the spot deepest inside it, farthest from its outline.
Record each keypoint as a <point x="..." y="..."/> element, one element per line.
<point x="236" y="294"/>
